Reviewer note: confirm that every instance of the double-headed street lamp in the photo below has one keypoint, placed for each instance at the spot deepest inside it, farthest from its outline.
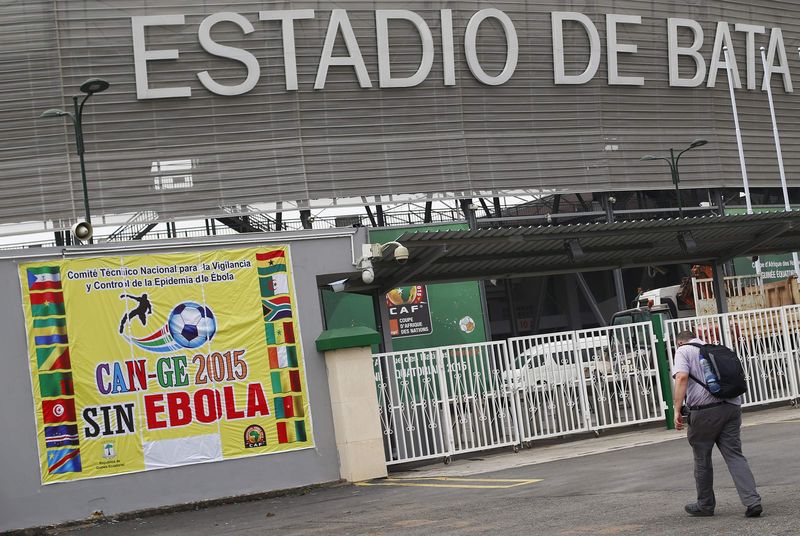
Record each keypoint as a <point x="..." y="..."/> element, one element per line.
<point x="673" y="167"/>
<point x="90" y="87"/>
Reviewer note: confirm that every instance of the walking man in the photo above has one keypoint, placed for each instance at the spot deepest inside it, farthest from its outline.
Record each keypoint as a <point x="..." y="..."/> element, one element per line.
<point x="711" y="421"/>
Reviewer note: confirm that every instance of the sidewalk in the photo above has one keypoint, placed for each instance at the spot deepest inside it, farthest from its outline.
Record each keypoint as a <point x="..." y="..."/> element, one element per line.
<point x="628" y="483"/>
<point x="479" y="463"/>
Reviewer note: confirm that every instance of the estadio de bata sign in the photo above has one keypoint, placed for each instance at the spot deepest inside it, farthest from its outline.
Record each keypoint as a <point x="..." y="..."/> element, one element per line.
<point x="699" y="55"/>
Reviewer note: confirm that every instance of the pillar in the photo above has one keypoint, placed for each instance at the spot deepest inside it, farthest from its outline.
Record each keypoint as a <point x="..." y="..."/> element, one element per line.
<point x="354" y="402"/>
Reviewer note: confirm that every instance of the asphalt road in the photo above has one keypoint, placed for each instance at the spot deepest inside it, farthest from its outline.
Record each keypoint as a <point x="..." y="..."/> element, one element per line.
<point x="639" y="490"/>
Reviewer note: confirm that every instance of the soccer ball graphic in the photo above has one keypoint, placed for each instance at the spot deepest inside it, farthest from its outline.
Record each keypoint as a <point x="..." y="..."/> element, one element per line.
<point x="191" y="324"/>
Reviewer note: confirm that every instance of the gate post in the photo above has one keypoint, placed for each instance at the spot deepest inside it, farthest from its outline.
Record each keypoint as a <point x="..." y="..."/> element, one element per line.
<point x="354" y="401"/>
<point x="663" y="371"/>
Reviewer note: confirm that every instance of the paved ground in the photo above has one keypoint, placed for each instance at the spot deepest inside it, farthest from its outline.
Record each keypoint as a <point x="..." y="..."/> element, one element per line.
<point x="630" y="483"/>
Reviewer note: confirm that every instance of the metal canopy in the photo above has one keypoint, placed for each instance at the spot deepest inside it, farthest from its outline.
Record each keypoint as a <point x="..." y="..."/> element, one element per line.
<point x="498" y="253"/>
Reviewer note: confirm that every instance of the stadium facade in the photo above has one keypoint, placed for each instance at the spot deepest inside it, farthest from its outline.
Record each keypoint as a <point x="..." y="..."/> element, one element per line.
<point x="252" y="106"/>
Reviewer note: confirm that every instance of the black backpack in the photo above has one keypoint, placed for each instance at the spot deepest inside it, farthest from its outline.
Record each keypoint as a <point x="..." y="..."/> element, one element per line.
<point x="727" y="367"/>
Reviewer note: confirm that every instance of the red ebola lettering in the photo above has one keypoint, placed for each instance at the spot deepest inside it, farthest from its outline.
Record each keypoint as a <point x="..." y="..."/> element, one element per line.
<point x="179" y="407"/>
<point x="205" y="406"/>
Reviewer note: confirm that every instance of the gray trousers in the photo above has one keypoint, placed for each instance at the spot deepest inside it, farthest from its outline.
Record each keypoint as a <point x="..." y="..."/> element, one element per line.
<point x="720" y="426"/>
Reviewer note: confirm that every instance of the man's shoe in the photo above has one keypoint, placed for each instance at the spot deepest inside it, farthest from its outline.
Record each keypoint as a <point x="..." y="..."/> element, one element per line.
<point x="753" y="511"/>
<point x="696" y="511"/>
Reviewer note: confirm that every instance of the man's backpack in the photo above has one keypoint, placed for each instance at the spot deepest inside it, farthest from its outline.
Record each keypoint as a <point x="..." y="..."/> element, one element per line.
<point x="727" y="367"/>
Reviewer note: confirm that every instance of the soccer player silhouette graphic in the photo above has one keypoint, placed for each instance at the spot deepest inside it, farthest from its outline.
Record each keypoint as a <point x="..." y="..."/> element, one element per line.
<point x="142" y="309"/>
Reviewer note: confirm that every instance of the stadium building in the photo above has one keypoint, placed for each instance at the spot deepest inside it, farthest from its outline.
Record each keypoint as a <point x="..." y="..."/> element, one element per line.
<point x="192" y="126"/>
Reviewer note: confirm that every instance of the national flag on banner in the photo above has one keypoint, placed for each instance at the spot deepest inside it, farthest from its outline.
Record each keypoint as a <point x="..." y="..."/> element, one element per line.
<point x="274" y="285"/>
<point x="299" y="407"/>
<point x="271" y="262"/>
<point x="43" y="278"/>
<point x="284" y="407"/>
<point x="282" y="357"/>
<point x="58" y="410"/>
<point x="288" y="332"/>
<point x="288" y="406"/>
<point x="64" y="461"/>
<point x="276" y="308"/>
<point x="300" y="431"/>
<point x="289" y="432"/>
<point x="283" y="436"/>
<point x="53" y="358"/>
<point x="47" y="303"/>
<point x="56" y="384"/>
<point x="63" y="435"/>
<point x="47" y="331"/>
<point x="280" y="381"/>
<point x="274" y="333"/>
<point x="280" y="333"/>
<point x="294" y="381"/>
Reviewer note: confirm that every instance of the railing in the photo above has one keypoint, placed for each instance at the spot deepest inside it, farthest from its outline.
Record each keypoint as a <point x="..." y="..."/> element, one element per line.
<point x="136" y="227"/>
<point x="438" y="402"/>
<point x="766" y="341"/>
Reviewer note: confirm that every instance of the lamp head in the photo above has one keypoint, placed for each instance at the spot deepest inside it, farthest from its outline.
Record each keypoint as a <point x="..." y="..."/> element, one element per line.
<point x="94" y="85"/>
<point x="698" y="143"/>
<point x="649" y="157"/>
<point x="54" y="112"/>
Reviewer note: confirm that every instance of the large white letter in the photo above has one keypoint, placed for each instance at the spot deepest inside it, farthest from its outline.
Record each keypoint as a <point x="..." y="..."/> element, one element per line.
<point x="141" y="56"/>
<point x="382" y="17"/>
<point x="560" y="77"/>
<point x="339" y="20"/>
<point x="287" y="18"/>
<point x="470" y="48"/>
<point x="723" y="37"/>
<point x="448" y="51"/>
<point x="675" y="51"/>
<point x="615" y="48"/>
<point x="750" y="39"/>
<point x="776" y="44"/>
<point x="223" y="51"/>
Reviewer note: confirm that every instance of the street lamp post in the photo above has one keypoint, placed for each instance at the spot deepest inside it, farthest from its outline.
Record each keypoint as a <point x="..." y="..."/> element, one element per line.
<point x="90" y="87"/>
<point x="673" y="167"/>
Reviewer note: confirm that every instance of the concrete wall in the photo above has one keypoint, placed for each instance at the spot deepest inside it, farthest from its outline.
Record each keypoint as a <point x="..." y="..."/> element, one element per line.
<point x="24" y="502"/>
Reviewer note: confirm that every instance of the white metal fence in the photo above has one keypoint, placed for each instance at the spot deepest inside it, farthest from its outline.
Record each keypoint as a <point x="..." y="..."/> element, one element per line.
<point x="766" y="340"/>
<point x="443" y="401"/>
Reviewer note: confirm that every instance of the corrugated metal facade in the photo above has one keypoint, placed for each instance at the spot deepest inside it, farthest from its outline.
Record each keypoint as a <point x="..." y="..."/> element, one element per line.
<point x="192" y="156"/>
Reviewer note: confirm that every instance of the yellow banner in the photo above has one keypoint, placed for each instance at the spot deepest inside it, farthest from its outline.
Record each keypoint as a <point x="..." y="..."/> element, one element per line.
<point x="144" y="362"/>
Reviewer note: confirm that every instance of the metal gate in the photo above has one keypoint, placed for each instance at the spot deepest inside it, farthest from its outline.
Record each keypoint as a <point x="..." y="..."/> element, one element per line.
<point x="442" y="401"/>
<point x="438" y="402"/>
<point x="587" y="380"/>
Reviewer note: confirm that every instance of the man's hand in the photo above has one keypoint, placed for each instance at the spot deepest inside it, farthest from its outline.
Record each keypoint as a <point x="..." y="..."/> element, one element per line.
<point x="681" y="383"/>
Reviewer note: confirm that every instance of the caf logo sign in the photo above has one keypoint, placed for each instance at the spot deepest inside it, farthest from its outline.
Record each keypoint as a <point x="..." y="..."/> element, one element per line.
<point x="254" y="436"/>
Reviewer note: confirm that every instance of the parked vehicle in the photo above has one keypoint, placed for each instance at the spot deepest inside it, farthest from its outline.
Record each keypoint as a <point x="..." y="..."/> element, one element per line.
<point x="554" y="362"/>
<point x="695" y="296"/>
